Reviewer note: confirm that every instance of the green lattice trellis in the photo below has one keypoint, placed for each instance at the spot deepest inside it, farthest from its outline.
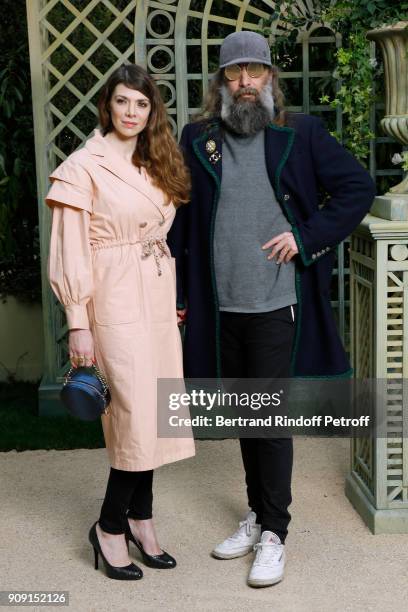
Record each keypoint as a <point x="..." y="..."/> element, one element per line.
<point x="76" y="44"/>
<point x="378" y="481"/>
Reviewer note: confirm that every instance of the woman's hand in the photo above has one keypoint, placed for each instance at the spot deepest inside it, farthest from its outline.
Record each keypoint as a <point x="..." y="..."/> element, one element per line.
<point x="181" y="316"/>
<point x="81" y="347"/>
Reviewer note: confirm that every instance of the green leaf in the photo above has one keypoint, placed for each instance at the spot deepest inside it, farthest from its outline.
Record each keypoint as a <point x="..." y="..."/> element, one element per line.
<point x="17" y="166"/>
<point x="18" y="94"/>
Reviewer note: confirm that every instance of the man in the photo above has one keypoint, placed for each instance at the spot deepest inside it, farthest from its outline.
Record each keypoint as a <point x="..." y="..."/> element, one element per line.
<point x="254" y="255"/>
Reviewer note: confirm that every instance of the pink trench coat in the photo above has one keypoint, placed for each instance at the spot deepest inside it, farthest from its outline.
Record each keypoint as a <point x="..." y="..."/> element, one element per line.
<point x="110" y="267"/>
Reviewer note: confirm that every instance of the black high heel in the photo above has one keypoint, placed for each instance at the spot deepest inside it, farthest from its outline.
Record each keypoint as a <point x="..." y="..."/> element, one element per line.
<point x="163" y="561"/>
<point x="128" y="572"/>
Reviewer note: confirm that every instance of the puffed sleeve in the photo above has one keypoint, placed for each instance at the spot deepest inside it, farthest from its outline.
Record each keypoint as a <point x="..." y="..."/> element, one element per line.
<point x="69" y="260"/>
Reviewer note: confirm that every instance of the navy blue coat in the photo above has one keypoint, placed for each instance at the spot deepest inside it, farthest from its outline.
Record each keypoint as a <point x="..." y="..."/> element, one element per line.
<point x="301" y="159"/>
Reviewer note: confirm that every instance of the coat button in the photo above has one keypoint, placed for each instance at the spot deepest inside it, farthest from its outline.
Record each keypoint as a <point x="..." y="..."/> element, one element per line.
<point x="286" y="196"/>
<point x="143" y="224"/>
<point x="314" y="256"/>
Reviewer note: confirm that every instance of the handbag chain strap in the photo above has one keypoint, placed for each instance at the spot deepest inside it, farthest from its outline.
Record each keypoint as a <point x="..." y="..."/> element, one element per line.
<point x="98" y="373"/>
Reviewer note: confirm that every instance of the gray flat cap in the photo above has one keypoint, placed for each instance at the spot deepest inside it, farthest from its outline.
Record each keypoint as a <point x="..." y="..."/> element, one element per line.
<point x="243" y="47"/>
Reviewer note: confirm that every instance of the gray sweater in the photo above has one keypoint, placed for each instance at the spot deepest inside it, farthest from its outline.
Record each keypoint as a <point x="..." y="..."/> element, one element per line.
<point x="248" y="215"/>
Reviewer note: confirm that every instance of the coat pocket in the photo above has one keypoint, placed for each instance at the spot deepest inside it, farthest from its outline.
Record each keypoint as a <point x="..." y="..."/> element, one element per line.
<point x="116" y="298"/>
<point x="160" y="294"/>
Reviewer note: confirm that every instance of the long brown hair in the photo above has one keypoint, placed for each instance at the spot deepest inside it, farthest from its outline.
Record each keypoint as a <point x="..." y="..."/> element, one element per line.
<point x="212" y="102"/>
<point x="156" y="148"/>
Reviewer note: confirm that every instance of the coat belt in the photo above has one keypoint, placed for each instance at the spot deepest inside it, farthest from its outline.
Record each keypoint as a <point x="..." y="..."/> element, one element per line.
<point x="156" y="246"/>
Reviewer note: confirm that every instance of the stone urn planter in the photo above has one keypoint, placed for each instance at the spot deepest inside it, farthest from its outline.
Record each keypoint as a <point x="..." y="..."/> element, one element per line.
<point x="393" y="42"/>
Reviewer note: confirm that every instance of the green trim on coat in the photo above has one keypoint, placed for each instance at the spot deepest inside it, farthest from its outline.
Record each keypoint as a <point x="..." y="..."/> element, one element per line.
<point x="347" y="374"/>
<point x="301" y="248"/>
<point x="203" y="160"/>
<point x="278" y="172"/>
<point x="289" y="215"/>
<point x="295" y="230"/>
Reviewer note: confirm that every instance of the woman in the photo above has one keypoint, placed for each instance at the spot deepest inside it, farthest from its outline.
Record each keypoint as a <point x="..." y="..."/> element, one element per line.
<point x="113" y="202"/>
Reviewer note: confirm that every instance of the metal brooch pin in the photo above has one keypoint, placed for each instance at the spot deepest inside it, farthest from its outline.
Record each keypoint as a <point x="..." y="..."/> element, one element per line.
<point x="210" y="146"/>
<point x="216" y="156"/>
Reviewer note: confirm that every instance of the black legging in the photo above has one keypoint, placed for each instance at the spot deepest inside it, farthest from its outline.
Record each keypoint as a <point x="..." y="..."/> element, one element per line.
<point x="128" y="494"/>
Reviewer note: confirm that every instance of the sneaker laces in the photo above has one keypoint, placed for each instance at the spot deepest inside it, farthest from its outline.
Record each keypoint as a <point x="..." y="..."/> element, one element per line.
<point x="267" y="552"/>
<point x="247" y="525"/>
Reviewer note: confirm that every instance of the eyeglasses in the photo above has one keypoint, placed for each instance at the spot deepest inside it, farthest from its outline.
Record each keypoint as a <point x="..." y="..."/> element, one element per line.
<point x="254" y="70"/>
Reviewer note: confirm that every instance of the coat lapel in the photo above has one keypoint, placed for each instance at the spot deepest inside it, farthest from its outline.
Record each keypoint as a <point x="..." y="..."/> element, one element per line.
<point x="278" y="145"/>
<point x="106" y="157"/>
<point x="208" y="149"/>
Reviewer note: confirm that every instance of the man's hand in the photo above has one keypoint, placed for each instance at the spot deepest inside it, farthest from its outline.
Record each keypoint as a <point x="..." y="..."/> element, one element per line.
<point x="81" y="347"/>
<point x="285" y="245"/>
<point x="181" y="316"/>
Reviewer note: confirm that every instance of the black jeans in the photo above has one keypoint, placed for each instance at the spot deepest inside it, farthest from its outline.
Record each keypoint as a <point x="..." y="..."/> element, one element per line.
<point x="259" y="345"/>
<point x="128" y="494"/>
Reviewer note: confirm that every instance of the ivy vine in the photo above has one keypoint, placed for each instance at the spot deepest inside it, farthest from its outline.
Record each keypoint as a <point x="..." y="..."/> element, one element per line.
<point x="355" y="70"/>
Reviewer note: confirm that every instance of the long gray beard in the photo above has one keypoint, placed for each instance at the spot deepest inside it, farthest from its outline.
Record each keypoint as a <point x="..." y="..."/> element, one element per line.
<point x="247" y="117"/>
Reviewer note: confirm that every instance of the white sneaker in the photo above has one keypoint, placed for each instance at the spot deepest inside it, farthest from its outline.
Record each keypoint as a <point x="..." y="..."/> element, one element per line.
<point x="269" y="562"/>
<point x="242" y="541"/>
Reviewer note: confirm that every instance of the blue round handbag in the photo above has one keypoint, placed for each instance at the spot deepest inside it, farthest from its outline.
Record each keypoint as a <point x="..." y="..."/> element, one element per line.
<point x="85" y="393"/>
